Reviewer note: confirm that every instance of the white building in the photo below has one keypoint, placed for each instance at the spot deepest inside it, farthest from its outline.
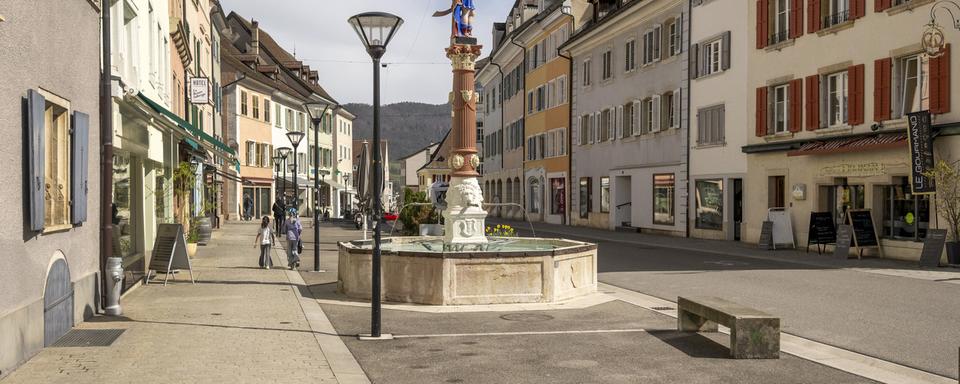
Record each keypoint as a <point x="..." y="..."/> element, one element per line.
<point x="343" y="194"/>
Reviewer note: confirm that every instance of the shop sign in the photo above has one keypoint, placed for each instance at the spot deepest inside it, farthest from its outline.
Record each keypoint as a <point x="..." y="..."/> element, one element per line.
<point x="799" y="191"/>
<point x="200" y="90"/>
<point x="920" y="142"/>
<point x="855" y="170"/>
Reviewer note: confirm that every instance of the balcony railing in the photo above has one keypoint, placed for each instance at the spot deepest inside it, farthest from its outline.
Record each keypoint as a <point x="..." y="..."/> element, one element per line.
<point x="779" y="37"/>
<point x="900" y="2"/>
<point x="836" y="18"/>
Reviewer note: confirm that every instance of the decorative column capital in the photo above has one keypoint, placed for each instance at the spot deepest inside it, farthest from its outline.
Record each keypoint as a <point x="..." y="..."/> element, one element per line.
<point x="463" y="57"/>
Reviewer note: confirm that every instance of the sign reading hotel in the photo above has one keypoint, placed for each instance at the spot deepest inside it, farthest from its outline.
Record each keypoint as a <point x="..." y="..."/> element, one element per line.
<point x="199" y="90"/>
<point x="920" y="139"/>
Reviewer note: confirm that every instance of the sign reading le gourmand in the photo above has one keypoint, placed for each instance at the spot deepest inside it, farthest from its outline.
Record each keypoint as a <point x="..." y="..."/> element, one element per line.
<point x="920" y="138"/>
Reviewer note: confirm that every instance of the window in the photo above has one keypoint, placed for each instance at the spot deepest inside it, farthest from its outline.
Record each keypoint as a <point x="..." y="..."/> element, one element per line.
<point x="651" y="45"/>
<point x="605" y="194"/>
<point x="674" y="41"/>
<point x="243" y="103"/>
<point x="558" y="197"/>
<point x="630" y="56"/>
<point x="256" y="107"/>
<point x="905" y="216"/>
<point x="584" y="129"/>
<point x="837" y="11"/>
<point x="709" y="204"/>
<point x="781" y="108"/>
<point x="841" y="198"/>
<point x="663" y="199"/>
<point x="290" y="125"/>
<point x="57" y="163"/>
<point x="646" y="117"/>
<point x="534" y="196"/>
<point x="629" y="122"/>
<point x="713" y="52"/>
<point x="562" y="90"/>
<point x="586" y="197"/>
<point x="586" y="72"/>
<point x="266" y="110"/>
<point x="711" y="123"/>
<point x="777" y="192"/>
<point x="251" y="153"/>
<point x="837" y="99"/>
<point x="668" y="113"/>
<point x="781" y="21"/>
<point x="530" y="102"/>
<point x="606" y="119"/>
<point x="911" y="92"/>
<point x="607" y="67"/>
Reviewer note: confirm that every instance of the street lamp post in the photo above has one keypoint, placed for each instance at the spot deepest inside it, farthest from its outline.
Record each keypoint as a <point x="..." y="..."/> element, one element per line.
<point x="295" y="137"/>
<point x="284" y="152"/>
<point x="317" y="110"/>
<point x="375" y="30"/>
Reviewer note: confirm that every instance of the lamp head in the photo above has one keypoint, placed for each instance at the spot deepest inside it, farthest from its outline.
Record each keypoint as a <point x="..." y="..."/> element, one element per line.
<point x="295" y="137"/>
<point x="316" y="110"/>
<point x="375" y="30"/>
<point x="284" y="151"/>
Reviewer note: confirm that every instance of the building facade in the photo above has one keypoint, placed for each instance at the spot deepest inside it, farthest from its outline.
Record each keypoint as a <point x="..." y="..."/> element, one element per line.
<point x="343" y="194"/>
<point x="630" y="142"/>
<point x="828" y="126"/>
<point x="412" y="163"/>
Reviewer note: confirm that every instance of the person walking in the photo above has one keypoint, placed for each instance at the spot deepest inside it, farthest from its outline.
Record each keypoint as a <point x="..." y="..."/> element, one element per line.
<point x="278" y="210"/>
<point x="292" y="228"/>
<point x="247" y="207"/>
<point x="265" y="239"/>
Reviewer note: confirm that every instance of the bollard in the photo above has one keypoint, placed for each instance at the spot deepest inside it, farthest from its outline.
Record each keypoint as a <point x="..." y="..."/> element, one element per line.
<point x="114" y="286"/>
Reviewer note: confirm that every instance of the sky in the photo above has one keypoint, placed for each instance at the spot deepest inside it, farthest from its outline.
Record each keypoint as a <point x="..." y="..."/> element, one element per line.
<point x="417" y="70"/>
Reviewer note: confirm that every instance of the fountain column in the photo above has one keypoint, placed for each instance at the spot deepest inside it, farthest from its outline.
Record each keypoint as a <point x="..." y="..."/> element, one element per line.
<point x="464" y="217"/>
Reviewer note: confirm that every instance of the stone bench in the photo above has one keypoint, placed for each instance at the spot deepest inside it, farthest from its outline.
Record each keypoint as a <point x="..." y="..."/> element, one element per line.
<point x="753" y="334"/>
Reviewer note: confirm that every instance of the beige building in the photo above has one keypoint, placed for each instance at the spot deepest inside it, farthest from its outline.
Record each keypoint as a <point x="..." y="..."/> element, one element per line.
<point x="411" y="164"/>
<point x="827" y="121"/>
<point x="342" y="193"/>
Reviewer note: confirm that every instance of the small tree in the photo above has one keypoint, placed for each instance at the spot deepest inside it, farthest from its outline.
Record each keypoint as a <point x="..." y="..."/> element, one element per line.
<point x="414" y="215"/>
<point x="183" y="182"/>
<point x="946" y="177"/>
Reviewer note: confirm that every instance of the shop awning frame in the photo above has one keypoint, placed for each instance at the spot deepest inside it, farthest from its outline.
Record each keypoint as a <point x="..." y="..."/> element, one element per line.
<point x="850" y="144"/>
<point x="189" y="128"/>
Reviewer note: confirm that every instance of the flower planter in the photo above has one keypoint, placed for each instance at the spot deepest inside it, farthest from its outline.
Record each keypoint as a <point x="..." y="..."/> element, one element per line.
<point x="191" y="249"/>
<point x="431" y="230"/>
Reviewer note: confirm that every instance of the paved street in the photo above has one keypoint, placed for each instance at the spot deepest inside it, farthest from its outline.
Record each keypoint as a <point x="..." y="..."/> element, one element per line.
<point x="887" y="309"/>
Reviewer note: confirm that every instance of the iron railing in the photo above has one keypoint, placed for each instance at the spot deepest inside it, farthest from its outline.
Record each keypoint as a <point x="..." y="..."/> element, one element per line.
<point x="779" y="37"/>
<point x="836" y="18"/>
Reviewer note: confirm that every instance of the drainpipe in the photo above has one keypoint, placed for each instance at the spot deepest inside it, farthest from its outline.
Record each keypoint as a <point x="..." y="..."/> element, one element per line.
<point x="573" y="20"/>
<point x="106" y="155"/>
<point x="689" y="20"/>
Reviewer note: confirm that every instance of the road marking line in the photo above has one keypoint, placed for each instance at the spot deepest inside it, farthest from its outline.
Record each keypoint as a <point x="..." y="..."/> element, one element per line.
<point x="529" y="333"/>
<point x="582" y="302"/>
<point x="848" y="361"/>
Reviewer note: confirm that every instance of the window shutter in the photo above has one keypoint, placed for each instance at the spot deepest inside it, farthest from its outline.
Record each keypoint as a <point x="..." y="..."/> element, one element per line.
<point x="695" y="61"/>
<point x="796" y="105"/>
<point x="881" y="5"/>
<point x="858" y="8"/>
<point x="761" y="111"/>
<point x="79" y="160"/>
<point x="637" y="112"/>
<point x="940" y="82"/>
<point x="855" y="99"/>
<point x="725" y="54"/>
<point x="813" y="16"/>
<point x="796" y="18"/>
<point x="677" y="104"/>
<point x="656" y="114"/>
<point x="36" y="104"/>
<point x="679" y="42"/>
<point x="763" y="13"/>
<point x="657" y="42"/>
<point x="619" y="117"/>
<point x="881" y="89"/>
<point x="813" y="102"/>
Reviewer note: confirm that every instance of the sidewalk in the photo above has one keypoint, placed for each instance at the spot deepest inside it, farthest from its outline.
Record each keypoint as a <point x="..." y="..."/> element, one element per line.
<point x="238" y="324"/>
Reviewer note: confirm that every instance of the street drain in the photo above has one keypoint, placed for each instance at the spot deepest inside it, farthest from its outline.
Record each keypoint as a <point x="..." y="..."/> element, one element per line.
<point x="661" y="308"/>
<point x="88" y="338"/>
<point x="526" y="317"/>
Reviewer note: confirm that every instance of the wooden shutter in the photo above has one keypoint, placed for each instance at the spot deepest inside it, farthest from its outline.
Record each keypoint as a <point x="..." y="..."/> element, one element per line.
<point x="813" y="16"/>
<point x="796" y="105"/>
<point x="763" y="13"/>
<point x="695" y="61"/>
<point x="813" y="102"/>
<point x="940" y="82"/>
<point x="677" y="105"/>
<point x="881" y="5"/>
<point x="657" y="42"/>
<point x="761" y="111"/>
<point x="796" y="18"/>
<point x="79" y="160"/>
<point x="725" y="54"/>
<point x="858" y="9"/>
<point x="36" y="105"/>
<point x="657" y="108"/>
<point x="855" y="97"/>
<point x="620" y="125"/>
<point x="637" y="112"/>
<point x="881" y="89"/>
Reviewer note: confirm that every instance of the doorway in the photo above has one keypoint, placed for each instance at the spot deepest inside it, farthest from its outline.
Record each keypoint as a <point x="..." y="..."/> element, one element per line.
<point x="623" y="201"/>
<point x="57" y="303"/>
<point x="737" y="207"/>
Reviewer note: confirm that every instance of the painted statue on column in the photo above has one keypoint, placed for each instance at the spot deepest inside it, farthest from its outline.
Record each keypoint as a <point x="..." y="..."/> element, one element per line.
<point x="463" y="12"/>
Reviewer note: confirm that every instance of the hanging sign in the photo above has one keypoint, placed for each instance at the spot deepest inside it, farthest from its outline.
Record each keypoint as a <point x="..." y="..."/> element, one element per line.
<point x="920" y="140"/>
<point x="200" y="90"/>
<point x="170" y="252"/>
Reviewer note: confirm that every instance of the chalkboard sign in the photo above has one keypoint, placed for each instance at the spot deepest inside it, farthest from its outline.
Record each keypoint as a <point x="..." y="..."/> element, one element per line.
<point x="170" y="252"/>
<point x="864" y="233"/>
<point x="822" y="230"/>
<point x="933" y="247"/>
<point x="844" y="241"/>
<point x="766" y="235"/>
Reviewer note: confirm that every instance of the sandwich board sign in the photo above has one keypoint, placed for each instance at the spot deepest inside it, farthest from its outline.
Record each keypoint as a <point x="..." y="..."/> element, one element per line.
<point x="782" y="227"/>
<point x="170" y="252"/>
<point x="864" y="232"/>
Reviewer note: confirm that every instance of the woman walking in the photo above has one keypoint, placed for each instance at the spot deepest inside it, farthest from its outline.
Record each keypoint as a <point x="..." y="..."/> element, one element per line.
<point x="292" y="228"/>
<point x="265" y="238"/>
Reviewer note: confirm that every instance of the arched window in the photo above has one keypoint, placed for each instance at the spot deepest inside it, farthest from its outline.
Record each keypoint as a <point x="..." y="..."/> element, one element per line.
<point x="533" y="195"/>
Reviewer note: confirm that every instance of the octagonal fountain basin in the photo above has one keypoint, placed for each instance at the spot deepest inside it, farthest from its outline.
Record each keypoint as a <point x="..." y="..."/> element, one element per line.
<point x="424" y="270"/>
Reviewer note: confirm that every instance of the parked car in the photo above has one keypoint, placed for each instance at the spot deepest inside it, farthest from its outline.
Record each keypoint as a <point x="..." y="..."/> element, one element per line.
<point x="389" y="216"/>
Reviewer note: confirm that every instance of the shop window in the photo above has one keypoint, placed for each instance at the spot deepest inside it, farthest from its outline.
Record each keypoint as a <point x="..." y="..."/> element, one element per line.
<point x="558" y="197"/>
<point x="605" y="194"/>
<point x="586" y="197"/>
<point x="709" y="196"/>
<point x="777" y="192"/>
<point x="840" y="198"/>
<point x="905" y="216"/>
<point x="836" y="99"/>
<point x="663" y="199"/>
<point x="123" y="216"/>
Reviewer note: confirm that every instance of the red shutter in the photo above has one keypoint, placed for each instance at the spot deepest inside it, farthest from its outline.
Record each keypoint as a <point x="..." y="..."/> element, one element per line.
<point x="881" y="89"/>
<point x="813" y="102"/>
<point x="940" y="82"/>
<point x="858" y="8"/>
<point x="855" y="97"/>
<point x="763" y="13"/>
<point x="761" y="111"/>
<point x="796" y="18"/>
<point x="796" y="105"/>
<point x="881" y="5"/>
<point x="813" y="16"/>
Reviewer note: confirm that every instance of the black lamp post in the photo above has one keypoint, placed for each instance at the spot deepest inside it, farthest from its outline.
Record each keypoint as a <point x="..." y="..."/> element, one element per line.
<point x="284" y="152"/>
<point x="295" y="138"/>
<point x="317" y="111"/>
<point x="376" y="29"/>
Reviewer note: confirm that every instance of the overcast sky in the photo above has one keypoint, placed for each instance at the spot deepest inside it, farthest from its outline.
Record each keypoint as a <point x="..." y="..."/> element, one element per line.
<point x="418" y="69"/>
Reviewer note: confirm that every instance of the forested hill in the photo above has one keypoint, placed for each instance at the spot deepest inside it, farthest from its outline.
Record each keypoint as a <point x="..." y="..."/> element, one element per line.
<point x="407" y="126"/>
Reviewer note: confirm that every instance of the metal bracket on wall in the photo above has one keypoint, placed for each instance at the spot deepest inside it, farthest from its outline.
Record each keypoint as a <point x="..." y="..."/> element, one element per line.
<point x="2" y="19"/>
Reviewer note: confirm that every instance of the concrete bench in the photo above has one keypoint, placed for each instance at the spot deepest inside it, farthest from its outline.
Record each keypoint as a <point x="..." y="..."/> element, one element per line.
<point x="753" y="334"/>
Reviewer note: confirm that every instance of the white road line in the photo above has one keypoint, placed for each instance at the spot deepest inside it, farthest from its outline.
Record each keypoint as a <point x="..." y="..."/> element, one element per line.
<point x="530" y="333"/>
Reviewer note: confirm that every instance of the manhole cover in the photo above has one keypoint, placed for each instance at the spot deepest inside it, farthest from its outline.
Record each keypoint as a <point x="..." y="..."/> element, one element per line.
<point x="528" y="317"/>
<point x="88" y="338"/>
<point x="661" y="308"/>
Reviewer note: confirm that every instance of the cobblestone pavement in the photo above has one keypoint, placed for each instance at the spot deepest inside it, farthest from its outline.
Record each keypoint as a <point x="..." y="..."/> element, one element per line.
<point x="238" y="324"/>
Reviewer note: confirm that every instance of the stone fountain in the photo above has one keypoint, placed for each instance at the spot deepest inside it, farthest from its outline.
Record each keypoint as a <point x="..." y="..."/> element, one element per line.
<point x="464" y="266"/>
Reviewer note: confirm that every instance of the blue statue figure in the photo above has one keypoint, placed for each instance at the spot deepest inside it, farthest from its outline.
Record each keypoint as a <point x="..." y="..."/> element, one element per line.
<point x="463" y="12"/>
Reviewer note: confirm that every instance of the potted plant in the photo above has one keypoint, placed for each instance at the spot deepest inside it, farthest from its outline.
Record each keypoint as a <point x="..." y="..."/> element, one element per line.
<point x="193" y="236"/>
<point x="418" y="218"/>
<point x="184" y="180"/>
<point x="946" y="177"/>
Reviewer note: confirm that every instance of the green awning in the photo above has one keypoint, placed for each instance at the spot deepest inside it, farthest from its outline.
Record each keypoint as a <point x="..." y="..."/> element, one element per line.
<point x="193" y="144"/>
<point x="187" y="126"/>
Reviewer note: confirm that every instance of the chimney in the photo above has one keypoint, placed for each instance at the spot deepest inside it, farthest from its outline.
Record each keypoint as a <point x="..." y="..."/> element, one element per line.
<point x="255" y="37"/>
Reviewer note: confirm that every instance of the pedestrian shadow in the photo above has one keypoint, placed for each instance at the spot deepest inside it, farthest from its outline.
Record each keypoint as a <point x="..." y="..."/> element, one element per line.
<point x="693" y="344"/>
<point x="124" y="319"/>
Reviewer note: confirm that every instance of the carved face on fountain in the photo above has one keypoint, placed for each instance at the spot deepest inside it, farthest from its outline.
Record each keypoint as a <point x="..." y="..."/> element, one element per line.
<point x="468" y="193"/>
